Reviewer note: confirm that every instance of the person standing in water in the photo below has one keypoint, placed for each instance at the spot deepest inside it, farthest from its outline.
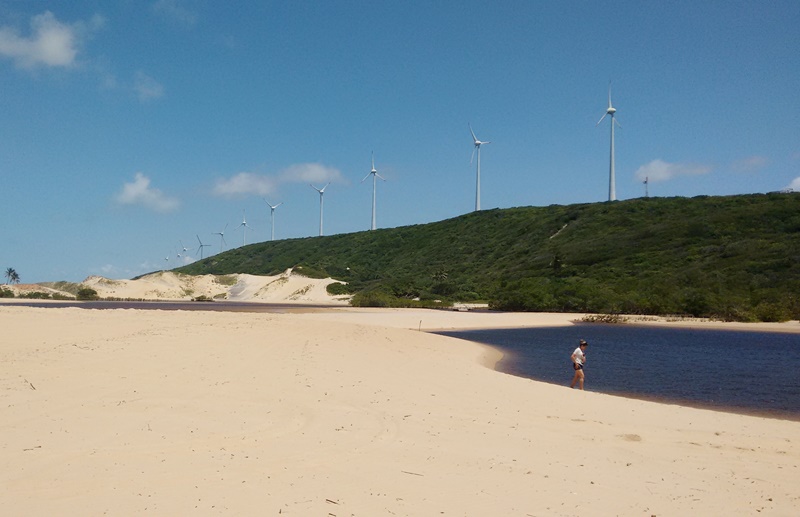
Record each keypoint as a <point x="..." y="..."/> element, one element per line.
<point x="578" y="360"/>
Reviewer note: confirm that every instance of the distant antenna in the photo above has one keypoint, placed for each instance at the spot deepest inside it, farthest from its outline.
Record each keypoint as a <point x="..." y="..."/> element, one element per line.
<point x="375" y="175"/>
<point x="477" y="149"/>
<point x="221" y="238"/>
<point x="272" y="217"/>
<point x="612" y="188"/>
<point x="321" y="194"/>
<point x="244" y="226"/>
<point x="200" y="248"/>
<point x="646" y="181"/>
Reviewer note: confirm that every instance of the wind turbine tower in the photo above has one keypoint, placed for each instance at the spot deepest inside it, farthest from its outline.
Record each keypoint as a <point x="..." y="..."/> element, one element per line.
<point x="477" y="148"/>
<point x="610" y="111"/>
<point x="375" y="175"/>
<point x="221" y="238"/>
<point x="244" y="226"/>
<point x="272" y="217"/>
<point x="200" y="248"/>
<point x="321" y="194"/>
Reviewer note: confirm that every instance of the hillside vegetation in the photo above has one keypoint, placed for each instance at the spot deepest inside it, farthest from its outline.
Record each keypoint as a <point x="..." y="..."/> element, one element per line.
<point x="734" y="258"/>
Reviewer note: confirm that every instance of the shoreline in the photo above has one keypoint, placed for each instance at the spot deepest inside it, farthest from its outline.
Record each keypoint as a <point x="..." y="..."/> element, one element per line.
<point x="509" y="320"/>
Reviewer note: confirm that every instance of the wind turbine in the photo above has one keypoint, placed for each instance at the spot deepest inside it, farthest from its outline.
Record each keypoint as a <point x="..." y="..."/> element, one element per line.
<point x="221" y="237"/>
<point x="184" y="249"/>
<point x="321" y="193"/>
<point x="611" y="110"/>
<point x="200" y="248"/>
<point x="244" y="227"/>
<point x="375" y="175"/>
<point x="272" y="217"/>
<point x="477" y="148"/>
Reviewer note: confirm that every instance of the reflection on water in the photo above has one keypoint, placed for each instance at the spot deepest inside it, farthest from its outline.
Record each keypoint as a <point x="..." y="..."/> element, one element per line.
<point x="750" y="372"/>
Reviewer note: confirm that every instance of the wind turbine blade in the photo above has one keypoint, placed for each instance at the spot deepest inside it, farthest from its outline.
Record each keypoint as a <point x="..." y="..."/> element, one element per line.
<point x="381" y="177"/>
<point x="617" y="123"/>
<point x="279" y="204"/>
<point x="601" y="119"/>
<point x="473" y="154"/>
<point x="475" y="138"/>
<point x="365" y="177"/>
<point x="485" y="143"/>
<point x="373" y="160"/>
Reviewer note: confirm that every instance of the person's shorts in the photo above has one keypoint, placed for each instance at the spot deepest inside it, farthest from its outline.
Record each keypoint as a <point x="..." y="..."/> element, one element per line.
<point x="577" y="366"/>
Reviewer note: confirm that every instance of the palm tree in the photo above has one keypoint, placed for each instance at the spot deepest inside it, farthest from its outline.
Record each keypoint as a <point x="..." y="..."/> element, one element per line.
<point x="12" y="276"/>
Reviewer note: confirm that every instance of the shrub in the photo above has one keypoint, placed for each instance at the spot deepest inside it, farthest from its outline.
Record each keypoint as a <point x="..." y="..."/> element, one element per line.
<point x="338" y="289"/>
<point x="87" y="293"/>
<point x="604" y="318"/>
<point x="772" y="312"/>
<point x="227" y="279"/>
<point x="36" y="295"/>
<point x="6" y="293"/>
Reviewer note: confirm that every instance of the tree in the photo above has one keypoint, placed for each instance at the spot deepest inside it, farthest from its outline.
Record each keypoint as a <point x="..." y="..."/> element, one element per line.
<point x="12" y="276"/>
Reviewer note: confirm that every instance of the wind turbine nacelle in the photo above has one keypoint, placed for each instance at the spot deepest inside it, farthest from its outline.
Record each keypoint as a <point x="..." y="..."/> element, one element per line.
<point x="611" y="110"/>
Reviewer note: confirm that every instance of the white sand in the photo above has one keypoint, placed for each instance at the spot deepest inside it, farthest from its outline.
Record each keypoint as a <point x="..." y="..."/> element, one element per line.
<point x="346" y="413"/>
<point x="288" y="287"/>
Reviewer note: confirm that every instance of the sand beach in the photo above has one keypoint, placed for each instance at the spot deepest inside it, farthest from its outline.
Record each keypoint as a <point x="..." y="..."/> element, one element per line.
<point x="347" y="412"/>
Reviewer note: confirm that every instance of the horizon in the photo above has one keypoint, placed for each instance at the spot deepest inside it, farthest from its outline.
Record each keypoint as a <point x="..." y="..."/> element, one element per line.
<point x="130" y="129"/>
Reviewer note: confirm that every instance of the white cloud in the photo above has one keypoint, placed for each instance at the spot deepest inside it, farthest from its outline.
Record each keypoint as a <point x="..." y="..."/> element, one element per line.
<point x="750" y="164"/>
<point x="51" y="43"/>
<point x="248" y="183"/>
<point x="146" y="87"/>
<point x="245" y="183"/>
<point x="659" y="170"/>
<point x="173" y="9"/>
<point x="139" y="192"/>
<point x="310" y="173"/>
<point x="795" y="184"/>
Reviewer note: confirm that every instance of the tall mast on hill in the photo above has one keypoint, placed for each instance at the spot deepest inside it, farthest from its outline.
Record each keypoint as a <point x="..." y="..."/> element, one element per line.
<point x="477" y="149"/>
<point x="375" y="175"/>
<point x="612" y="188"/>
<point x="321" y="194"/>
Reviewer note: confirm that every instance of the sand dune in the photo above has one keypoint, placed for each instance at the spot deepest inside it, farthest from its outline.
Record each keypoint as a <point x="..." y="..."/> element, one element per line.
<point x="288" y="287"/>
<point x="346" y="412"/>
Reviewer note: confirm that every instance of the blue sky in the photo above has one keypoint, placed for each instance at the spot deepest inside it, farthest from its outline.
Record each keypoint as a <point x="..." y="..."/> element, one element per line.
<point x="129" y="128"/>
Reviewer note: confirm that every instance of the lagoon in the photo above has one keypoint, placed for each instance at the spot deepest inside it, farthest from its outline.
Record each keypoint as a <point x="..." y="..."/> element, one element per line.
<point x="743" y="372"/>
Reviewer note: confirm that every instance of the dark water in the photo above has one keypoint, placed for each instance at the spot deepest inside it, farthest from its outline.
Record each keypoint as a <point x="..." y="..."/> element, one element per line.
<point x="743" y="372"/>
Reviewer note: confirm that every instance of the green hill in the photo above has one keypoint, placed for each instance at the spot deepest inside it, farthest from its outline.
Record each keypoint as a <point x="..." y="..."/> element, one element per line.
<point x="732" y="257"/>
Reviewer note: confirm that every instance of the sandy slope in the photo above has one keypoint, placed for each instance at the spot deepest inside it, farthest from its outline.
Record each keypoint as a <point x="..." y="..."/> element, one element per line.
<point x="284" y="288"/>
<point x="288" y="287"/>
<point x="346" y="413"/>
